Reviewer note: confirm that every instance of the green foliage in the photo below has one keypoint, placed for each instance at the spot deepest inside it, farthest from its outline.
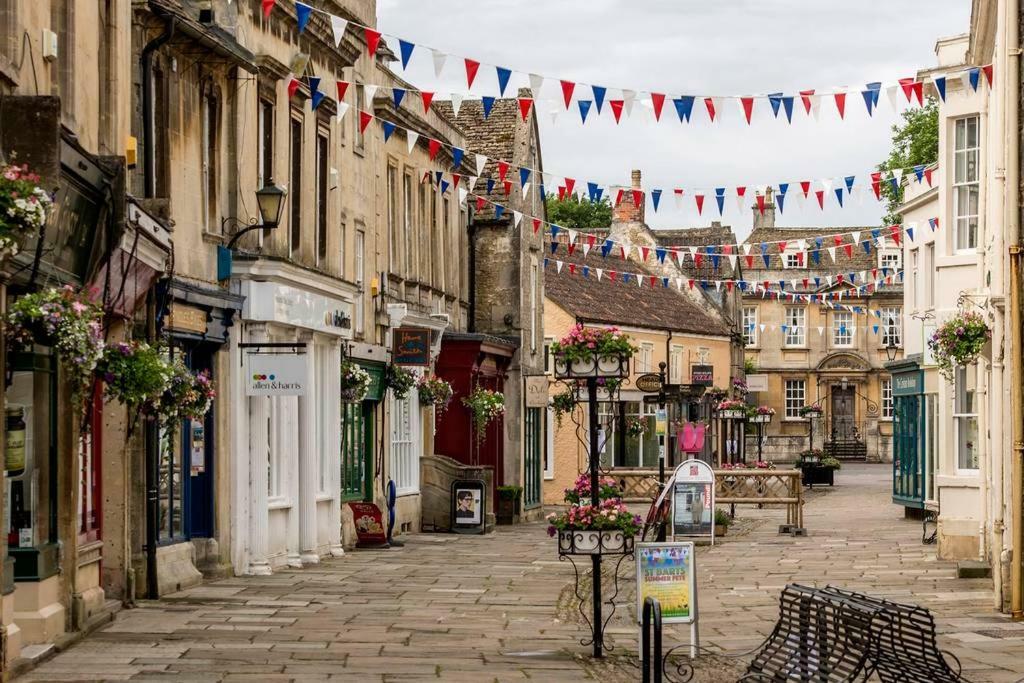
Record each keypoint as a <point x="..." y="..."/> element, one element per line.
<point x="576" y="215"/>
<point x="722" y="518"/>
<point x="510" y="492"/>
<point x="959" y="342"/>
<point x="749" y="366"/>
<point x="914" y="141"/>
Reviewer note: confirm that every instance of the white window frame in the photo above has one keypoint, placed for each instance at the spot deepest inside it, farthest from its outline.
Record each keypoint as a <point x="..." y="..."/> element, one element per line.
<point x="792" y="260"/>
<point x="916" y="279"/>
<point x="796" y="319"/>
<point x="885" y="255"/>
<point x="675" y="364"/>
<point x="794" y="398"/>
<point x="964" y="179"/>
<point x="535" y="323"/>
<point x="549" y="366"/>
<point x="929" y="275"/>
<point x="749" y="322"/>
<point x="965" y="415"/>
<point x="885" y="393"/>
<point x="842" y="320"/>
<point x="549" y="443"/>
<point x="360" y="265"/>
<point x="406" y="444"/>
<point x="645" y="359"/>
<point x="894" y="313"/>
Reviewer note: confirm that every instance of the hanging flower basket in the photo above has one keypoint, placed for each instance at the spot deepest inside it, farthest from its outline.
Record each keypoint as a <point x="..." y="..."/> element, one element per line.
<point x="562" y="404"/>
<point x="486" y="405"/>
<point x="739" y="387"/>
<point x="187" y="396"/>
<point x="24" y="207"/>
<point x="399" y="380"/>
<point x="605" y="529"/>
<point x="636" y="427"/>
<point x="959" y="342"/>
<point x="62" y="319"/>
<point x="355" y="382"/>
<point x="434" y="391"/>
<point x="134" y="373"/>
<point x="590" y="352"/>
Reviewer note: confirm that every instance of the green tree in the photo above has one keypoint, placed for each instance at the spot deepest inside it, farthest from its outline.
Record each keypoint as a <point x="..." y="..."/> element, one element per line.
<point x="576" y="215"/>
<point x="914" y="141"/>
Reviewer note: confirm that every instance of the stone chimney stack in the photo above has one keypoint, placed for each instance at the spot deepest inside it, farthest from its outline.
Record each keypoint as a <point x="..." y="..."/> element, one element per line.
<point x="768" y="219"/>
<point x="627" y="211"/>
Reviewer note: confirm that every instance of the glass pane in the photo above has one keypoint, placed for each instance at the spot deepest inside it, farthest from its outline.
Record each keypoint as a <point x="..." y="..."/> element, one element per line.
<point x="967" y="443"/>
<point x="961" y="133"/>
<point x="972" y="166"/>
<point x="959" y="167"/>
<point x="972" y="132"/>
<point x="164" y="486"/>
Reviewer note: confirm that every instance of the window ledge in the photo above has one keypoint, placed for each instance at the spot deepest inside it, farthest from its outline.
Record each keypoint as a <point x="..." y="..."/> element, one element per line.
<point x="403" y="494"/>
<point x="278" y="503"/>
<point x="323" y="497"/>
<point x="213" y="238"/>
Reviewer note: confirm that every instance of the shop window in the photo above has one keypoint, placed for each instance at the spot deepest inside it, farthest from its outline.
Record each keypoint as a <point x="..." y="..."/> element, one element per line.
<point x="796" y="397"/>
<point x="90" y="451"/>
<point x="356" y="447"/>
<point x="634" y="451"/>
<point x="405" y="444"/>
<point x="965" y="418"/>
<point x="170" y="487"/>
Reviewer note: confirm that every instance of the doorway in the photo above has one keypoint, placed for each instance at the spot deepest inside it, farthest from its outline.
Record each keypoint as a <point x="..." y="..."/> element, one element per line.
<point x="844" y="425"/>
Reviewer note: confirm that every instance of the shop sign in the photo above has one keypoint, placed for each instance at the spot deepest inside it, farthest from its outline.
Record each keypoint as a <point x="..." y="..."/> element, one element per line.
<point x="757" y="383"/>
<point x="271" y="302"/>
<point x="537" y="391"/>
<point x="275" y="374"/>
<point x="369" y="523"/>
<point x="665" y="571"/>
<point x="184" y="318"/>
<point x="907" y="384"/>
<point x="693" y="500"/>
<point x="649" y="383"/>
<point x="468" y="506"/>
<point x="703" y="375"/>
<point x="410" y="346"/>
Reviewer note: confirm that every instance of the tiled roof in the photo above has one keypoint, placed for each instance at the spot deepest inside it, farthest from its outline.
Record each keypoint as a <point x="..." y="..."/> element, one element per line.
<point x="860" y="260"/>
<point x="617" y="303"/>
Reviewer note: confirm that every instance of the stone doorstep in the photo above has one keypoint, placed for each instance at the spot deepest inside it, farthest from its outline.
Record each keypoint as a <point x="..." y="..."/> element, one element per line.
<point x="973" y="569"/>
<point x="34" y="655"/>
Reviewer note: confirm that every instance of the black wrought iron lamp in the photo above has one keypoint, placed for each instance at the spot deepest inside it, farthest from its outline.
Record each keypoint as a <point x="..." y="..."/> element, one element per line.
<point x="891" y="349"/>
<point x="270" y="201"/>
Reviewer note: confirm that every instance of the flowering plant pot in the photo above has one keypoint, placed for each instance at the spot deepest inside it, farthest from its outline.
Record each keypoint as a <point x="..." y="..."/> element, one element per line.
<point x="589" y="352"/>
<point x="811" y="412"/>
<point x="24" y="207"/>
<point x="607" y="489"/>
<point x="486" y="405"/>
<point x="134" y="373"/>
<point x="959" y="342"/>
<point x="761" y="418"/>
<point x="355" y="382"/>
<point x="636" y="427"/>
<point x="187" y="396"/>
<point x="434" y="391"/>
<point x="594" y="542"/>
<point x="399" y="380"/>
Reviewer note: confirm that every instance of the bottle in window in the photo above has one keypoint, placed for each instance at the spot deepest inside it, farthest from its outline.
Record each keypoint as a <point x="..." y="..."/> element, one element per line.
<point x="15" y="453"/>
<point x="17" y="513"/>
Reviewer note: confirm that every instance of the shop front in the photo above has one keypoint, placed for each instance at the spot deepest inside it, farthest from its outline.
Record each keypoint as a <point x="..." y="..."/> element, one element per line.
<point x="913" y="437"/>
<point x="286" y="411"/>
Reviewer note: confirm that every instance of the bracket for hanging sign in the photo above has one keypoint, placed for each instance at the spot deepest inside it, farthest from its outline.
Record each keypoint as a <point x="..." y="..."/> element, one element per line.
<point x="293" y="347"/>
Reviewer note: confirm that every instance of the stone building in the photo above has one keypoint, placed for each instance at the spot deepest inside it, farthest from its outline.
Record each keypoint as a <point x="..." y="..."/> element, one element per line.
<point x="805" y="354"/>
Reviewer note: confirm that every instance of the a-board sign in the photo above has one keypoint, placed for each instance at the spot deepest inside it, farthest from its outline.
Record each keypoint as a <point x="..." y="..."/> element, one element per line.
<point x="369" y="523"/>
<point x="666" y="572"/>
<point x="649" y="383"/>
<point x="469" y="510"/>
<point x="693" y="500"/>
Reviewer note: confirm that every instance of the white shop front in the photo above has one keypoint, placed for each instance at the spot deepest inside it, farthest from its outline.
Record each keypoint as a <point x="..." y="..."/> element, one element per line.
<point x="286" y="416"/>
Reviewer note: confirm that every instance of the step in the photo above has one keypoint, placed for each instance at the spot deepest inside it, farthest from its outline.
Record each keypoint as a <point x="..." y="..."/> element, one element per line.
<point x="973" y="569"/>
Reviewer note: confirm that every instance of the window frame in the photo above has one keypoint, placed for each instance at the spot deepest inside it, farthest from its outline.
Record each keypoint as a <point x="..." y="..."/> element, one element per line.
<point x="886" y="401"/>
<point x="801" y="341"/>
<point x="837" y="327"/>
<point x="265" y="152"/>
<point x="209" y="124"/>
<point x="359" y="275"/>
<point x="967" y="246"/>
<point x="750" y="330"/>
<point x="884" y="254"/>
<point x="894" y="330"/>
<point x="676" y="364"/>
<point x="405" y="414"/>
<point x="323" y="169"/>
<point x="296" y="137"/>
<point x="961" y="416"/>
<point x="789" y="398"/>
<point x="645" y="359"/>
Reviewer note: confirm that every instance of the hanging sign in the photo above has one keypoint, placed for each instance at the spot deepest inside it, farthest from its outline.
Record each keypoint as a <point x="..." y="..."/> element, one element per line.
<point x="693" y="500"/>
<point x="665" y="571"/>
<point x="703" y="375"/>
<point x="410" y="346"/>
<point x="275" y="374"/>
<point x="649" y="383"/>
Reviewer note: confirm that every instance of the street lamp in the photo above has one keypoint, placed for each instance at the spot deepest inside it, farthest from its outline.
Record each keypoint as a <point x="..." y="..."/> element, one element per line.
<point x="270" y="201"/>
<point x="891" y="349"/>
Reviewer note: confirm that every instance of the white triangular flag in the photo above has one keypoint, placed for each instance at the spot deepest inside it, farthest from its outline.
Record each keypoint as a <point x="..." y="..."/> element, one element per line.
<point x="827" y="184"/>
<point x="342" y="110"/>
<point x="679" y="283"/>
<point x="586" y="248"/>
<point x="410" y="138"/>
<point x="746" y="250"/>
<point x="856" y="236"/>
<point x="481" y="161"/>
<point x="626" y="249"/>
<point x="517" y="217"/>
<point x="600" y="274"/>
<point x="639" y="279"/>
<point x="472" y="182"/>
<point x="572" y="236"/>
<point x="338" y="26"/>
<point x="554" y="116"/>
<point x="892" y="92"/>
<point x="897" y="173"/>
<point x="732" y="261"/>
<point x="536" y="83"/>
<point x="463" y="193"/>
<point x="439" y="60"/>
<point x="815" y="106"/>
<point x="558" y="266"/>
<point x="718" y="285"/>
<point x="456" y="104"/>
<point x="368" y="93"/>
<point x="832" y="255"/>
<point x="821" y="331"/>
<point x="828" y="279"/>
<point x="628" y="98"/>
<point x="526" y="190"/>
<point x="762" y="326"/>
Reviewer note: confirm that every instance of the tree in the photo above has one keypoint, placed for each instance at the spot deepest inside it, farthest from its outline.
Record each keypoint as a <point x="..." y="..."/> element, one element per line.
<point x="579" y="215"/>
<point x="914" y="141"/>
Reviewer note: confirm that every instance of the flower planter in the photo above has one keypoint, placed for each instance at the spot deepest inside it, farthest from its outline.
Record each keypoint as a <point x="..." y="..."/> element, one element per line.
<point x="352" y="396"/>
<point x="720" y="530"/>
<point x="731" y="414"/>
<point x="590" y="542"/>
<point x="508" y="511"/>
<point x="814" y="473"/>
<point x="611" y="367"/>
<point x="761" y="419"/>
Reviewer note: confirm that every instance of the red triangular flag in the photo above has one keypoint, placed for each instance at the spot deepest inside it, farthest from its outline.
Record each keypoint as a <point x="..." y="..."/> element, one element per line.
<point x="741" y="191"/>
<point x="749" y="258"/>
<point x="805" y="283"/>
<point x="710" y="104"/>
<point x="618" y="196"/>
<point x="616" y="106"/>
<point x="480" y="203"/>
<point x="728" y="285"/>
<point x="653" y="280"/>
<point x="471" y="68"/>
<point x="268" y="6"/>
<point x="700" y="203"/>
<point x="508" y="188"/>
<point x="572" y="266"/>
<point x="561" y="193"/>
<point x="570" y="183"/>
<point x="455" y="180"/>
<point x="567" y="88"/>
<point x="782" y="247"/>
<point x="644" y="253"/>
<point x="658" y="100"/>
<point x="638" y="198"/>
<point x="805" y="186"/>
<point x="572" y="247"/>
<point x="908" y="87"/>
<point x="876" y="184"/>
<point x="342" y="89"/>
<point x="698" y="259"/>
<point x="841" y="104"/>
<point x="848" y="248"/>
<point x="293" y="87"/>
<point x="536" y="225"/>
<point x="690" y="282"/>
<point x="874" y="273"/>
<point x="928" y="175"/>
<point x="748" y="107"/>
<point x="427" y="98"/>
<point x="612" y="274"/>
<point x="805" y="97"/>
<point x="372" y="41"/>
<point x="838" y="239"/>
<point x="820" y="194"/>
<point x="502" y="170"/>
<point x="434" y="146"/>
<point x="918" y="89"/>
<point x="988" y="73"/>
<point x="895" y="234"/>
<point x="525" y="103"/>
<point x="591" y="239"/>
<point x="760" y="203"/>
<point x="364" y="121"/>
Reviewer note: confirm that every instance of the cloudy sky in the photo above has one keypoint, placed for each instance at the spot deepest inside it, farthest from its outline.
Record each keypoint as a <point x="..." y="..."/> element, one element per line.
<point x="701" y="47"/>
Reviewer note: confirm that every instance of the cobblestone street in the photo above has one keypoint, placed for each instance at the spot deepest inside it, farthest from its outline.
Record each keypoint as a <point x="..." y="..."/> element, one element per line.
<point x="489" y="608"/>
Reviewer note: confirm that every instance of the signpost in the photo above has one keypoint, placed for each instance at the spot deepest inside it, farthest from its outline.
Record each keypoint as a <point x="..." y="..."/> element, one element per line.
<point x="693" y="500"/>
<point x="667" y="573"/>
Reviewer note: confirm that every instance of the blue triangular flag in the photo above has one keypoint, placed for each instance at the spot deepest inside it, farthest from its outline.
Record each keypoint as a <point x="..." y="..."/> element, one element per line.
<point x="389" y="127"/>
<point x="606" y="247"/>
<point x="875" y="232"/>
<point x="972" y="76"/>
<point x="720" y="199"/>
<point x="664" y="282"/>
<point x="457" y="155"/>
<point x="543" y="194"/>
<point x="438" y="175"/>
<point x="910" y="234"/>
<point x="895" y="185"/>
<point x="524" y="176"/>
<point x="781" y="200"/>
<point x="599" y="91"/>
<point x="398" y="94"/>
<point x="684" y="107"/>
<point x="444" y="186"/>
<point x="655" y="198"/>
<point x="660" y="253"/>
<point x="554" y="246"/>
<point x="490" y="185"/>
<point x="547" y="261"/>
<point x="816" y="255"/>
<point x="839" y="195"/>
<point x="316" y="99"/>
<point x="488" y="103"/>
<point x="783" y="328"/>
<point x="584" y="108"/>
<point x="867" y="246"/>
<point x="940" y="85"/>
<point x="302" y="13"/>
<point x="787" y="105"/>
<point x="586" y="271"/>
<point x="625" y="278"/>
<point x="775" y="99"/>
<point x="499" y="210"/>
<point x="405" y="48"/>
<point x="503" y="76"/>
<point x="919" y="172"/>
<point x="849" y="183"/>
<point x="875" y="328"/>
<point x="817" y="281"/>
<point x="314" y="83"/>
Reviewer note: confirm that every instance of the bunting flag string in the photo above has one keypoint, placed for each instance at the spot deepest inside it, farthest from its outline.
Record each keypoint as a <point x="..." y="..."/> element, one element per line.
<point x="594" y="95"/>
<point x="868" y="184"/>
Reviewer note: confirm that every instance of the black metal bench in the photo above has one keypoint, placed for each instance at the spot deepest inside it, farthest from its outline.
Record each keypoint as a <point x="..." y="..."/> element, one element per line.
<point x="831" y="634"/>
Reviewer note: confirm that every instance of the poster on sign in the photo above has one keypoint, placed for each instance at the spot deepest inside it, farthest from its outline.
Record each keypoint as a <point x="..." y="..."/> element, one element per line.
<point x="693" y="500"/>
<point x="665" y="571"/>
<point x="275" y="374"/>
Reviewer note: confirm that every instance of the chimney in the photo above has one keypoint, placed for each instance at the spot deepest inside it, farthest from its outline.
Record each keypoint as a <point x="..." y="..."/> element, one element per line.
<point x="627" y="211"/>
<point x="768" y="219"/>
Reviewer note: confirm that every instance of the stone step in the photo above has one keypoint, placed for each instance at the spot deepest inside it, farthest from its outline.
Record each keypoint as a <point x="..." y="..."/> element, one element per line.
<point x="973" y="569"/>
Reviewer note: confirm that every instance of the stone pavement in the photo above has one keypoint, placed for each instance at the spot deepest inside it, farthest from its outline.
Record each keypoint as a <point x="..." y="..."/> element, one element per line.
<point x="465" y="608"/>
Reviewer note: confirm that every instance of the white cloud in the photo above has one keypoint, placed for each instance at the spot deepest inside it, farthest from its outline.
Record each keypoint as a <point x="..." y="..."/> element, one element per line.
<point x="694" y="47"/>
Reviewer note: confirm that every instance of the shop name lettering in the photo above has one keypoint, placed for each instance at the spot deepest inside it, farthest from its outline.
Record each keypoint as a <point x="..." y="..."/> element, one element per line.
<point x="337" y="319"/>
<point x="906" y="382"/>
<point x="270" y="383"/>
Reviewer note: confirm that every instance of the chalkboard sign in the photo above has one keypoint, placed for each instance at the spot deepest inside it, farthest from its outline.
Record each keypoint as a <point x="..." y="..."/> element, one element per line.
<point x="411" y="346"/>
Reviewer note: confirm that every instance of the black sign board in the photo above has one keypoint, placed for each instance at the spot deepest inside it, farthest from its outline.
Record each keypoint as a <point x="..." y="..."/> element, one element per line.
<point x="411" y="346"/>
<point x="703" y="375"/>
<point x="649" y="383"/>
<point x="469" y="509"/>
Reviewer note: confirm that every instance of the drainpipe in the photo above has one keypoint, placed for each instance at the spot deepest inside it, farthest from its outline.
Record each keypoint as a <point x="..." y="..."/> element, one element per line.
<point x="1011" y="85"/>
<point x="151" y="433"/>
<point x="148" y="116"/>
<point x="471" y="228"/>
